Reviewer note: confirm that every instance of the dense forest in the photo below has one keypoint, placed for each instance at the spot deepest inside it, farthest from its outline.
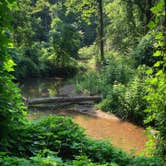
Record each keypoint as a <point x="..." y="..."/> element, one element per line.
<point x="112" y="48"/>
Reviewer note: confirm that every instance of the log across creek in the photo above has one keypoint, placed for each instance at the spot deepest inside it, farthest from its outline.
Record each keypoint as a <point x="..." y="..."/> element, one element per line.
<point x="60" y="100"/>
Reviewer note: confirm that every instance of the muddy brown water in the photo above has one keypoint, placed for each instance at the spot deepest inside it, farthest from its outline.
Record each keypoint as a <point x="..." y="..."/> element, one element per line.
<point x="97" y="124"/>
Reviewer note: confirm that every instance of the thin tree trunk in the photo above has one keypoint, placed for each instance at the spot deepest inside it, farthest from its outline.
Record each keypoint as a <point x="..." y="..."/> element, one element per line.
<point x="148" y="14"/>
<point x="101" y="30"/>
<point x="164" y="25"/>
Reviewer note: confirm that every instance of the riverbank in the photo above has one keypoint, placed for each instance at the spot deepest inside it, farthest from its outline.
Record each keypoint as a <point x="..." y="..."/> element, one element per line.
<point x="98" y="124"/>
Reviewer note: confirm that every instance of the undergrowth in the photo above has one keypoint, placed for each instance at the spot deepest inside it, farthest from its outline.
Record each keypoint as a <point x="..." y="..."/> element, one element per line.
<point x="122" y="86"/>
<point x="56" y="140"/>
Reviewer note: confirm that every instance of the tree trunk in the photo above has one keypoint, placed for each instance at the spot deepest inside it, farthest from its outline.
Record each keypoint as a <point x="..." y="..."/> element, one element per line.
<point x="101" y="30"/>
<point x="148" y="14"/>
<point x="164" y="25"/>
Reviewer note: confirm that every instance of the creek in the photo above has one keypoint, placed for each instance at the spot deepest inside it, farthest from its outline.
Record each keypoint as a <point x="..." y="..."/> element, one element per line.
<point x="97" y="124"/>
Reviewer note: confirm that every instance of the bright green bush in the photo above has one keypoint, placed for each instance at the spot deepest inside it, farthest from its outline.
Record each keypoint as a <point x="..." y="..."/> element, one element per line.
<point x="87" y="51"/>
<point x="11" y="107"/>
<point x="84" y="161"/>
<point x="85" y="83"/>
<point x="157" y="79"/>
<point x="114" y="101"/>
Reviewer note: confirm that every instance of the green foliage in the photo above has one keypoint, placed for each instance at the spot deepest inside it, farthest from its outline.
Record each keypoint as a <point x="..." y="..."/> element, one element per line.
<point x="11" y="107"/>
<point x="156" y="82"/>
<point x="54" y="133"/>
<point x="60" y="135"/>
<point x="87" y="51"/>
<point x="122" y="87"/>
<point x="117" y="70"/>
<point x="145" y="161"/>
<point x="27" y="60"/>
<point x="56" y="140"/>
<point x="87" y="8"/>
<point x="44" y="158"/>
<point x="65" y="41"/>
<point x="126" y="26"/>
<point x="47" y="39"/>
<point x="84" y="161"/>
<point x="126" y="101"/>
<point x="32" y="27"/>
<point x="144" y="51"/>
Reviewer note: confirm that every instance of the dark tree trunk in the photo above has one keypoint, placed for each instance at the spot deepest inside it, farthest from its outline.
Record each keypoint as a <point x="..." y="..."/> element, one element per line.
<point x="164" y="25"/>
<point x="101" y="30"/>
<point x="148" y="13"/>
<point x="130" y="15"/>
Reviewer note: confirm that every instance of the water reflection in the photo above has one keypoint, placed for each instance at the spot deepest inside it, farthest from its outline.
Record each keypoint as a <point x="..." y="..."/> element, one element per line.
<point x="41" y="87"/>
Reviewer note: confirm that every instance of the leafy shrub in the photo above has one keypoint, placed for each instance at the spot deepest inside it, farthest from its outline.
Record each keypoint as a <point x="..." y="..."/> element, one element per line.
<point x="8" y="161"/>
<point x="145" y="161"/>
<point x="144" y="51"/>
<point x="85" y="83"/>
<point x="28" y="62"/>
<point x="56" y="140"/>
<point x="117" y="70"/>
<point x="54" y="133"/>
<point x="38" y="61"/>
<point x="84" y="161"/>
<point x="114" y="101"/>
<point x="44" y="158"/>
<point x="87" y="51"/>
<point x="60" y="135"/>
<point x="11" y="107"/>
<point x="127" y="101"/>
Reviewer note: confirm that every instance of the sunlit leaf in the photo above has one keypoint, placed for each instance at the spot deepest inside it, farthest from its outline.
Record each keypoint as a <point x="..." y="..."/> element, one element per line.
<point x="8" y="65"/>
<point x="157" y="53"/>
<point x="149" y="71"/>
<point x="157" y="64"/>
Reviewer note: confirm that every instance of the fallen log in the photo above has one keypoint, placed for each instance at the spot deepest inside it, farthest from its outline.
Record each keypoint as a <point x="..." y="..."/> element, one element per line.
<point x="60" y="105"/>
<point x="74" y="99"/>
<point x="49" y="106"/>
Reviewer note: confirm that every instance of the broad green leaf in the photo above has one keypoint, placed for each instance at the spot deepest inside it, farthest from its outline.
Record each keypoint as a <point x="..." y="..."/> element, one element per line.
<point x="8" y="65"/>
<point x="151" y="25"/>
<point x="157" y="53"/>
<point x="157" y="64"/>
<point x="149" y="71"/>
